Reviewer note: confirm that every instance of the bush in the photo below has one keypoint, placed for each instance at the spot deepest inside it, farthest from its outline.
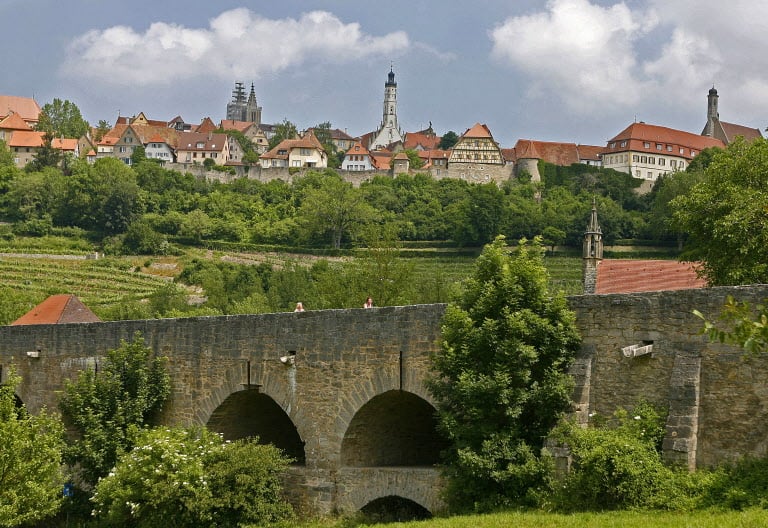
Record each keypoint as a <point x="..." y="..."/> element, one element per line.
<point x="738" y="485"/>
<point x="618" y="465"/>
<point x="184" y="477"/>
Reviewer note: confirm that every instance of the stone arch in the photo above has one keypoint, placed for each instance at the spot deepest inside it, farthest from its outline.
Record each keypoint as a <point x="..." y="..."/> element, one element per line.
<point x="220" y="402"/>
<point x="394" y="508"/>
<point x="394" y="429"/>
<point x="251" y="413"/>
<point x="361" y="487"/>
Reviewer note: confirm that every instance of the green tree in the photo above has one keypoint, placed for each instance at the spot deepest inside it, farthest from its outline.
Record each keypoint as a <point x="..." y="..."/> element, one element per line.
<point x="322" y="132"/>
<point x="448" y="140"/>
<point x="501" y="378"/>
<point x="46" y="155"/>
<point x="334" y="208"/>
<point x="31" y="478"/>
<point x="138" y="155"/>
<point x="6" y="156"/>
<point x="414" y="161"/>
<point x="101" y="130"/>
<point x="127" y="393"/>
<point x="725" y="216"/>
<point x="739" y="324"/>
<point x="179" y="477"/>
<point x="284" y="130"/>
<point x="62" y="119"/>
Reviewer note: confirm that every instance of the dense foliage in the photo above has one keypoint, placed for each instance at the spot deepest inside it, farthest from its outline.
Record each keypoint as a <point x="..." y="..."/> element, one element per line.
<point x="725" y="214"/>
<point x="31" y="477"/>
<point x="501" y="378"/>
<point x="179" y="478"/>
<point x="105" y="407"/>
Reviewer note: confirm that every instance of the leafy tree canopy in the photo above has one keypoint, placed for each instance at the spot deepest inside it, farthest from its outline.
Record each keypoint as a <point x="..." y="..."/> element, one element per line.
<point x="62" y="119"/>
<point x="725" y="216"/>
<point x="31" y="479"/>
<point x="104" y="409"/>
<point x="284" y="130"/>
<point x="448" y="140"/>
<point x="502" y="380"/>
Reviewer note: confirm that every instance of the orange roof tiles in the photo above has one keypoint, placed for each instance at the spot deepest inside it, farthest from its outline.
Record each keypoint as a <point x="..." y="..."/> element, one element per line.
<point x="14" y="122"/>
<point x="26" y="138"/>
<point x="477" y="131"/>
<point x="68" y="144"/>
<point x="637" y="135"/>
<point x="26" y="107"/>
<point x="58" y="309"/>
<point x="631" y="276"/>
<point x="414" y="140"/>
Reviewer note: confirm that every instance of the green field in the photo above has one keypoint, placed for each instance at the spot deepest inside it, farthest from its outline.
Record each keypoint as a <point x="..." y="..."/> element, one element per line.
<point x="754" y="518"/>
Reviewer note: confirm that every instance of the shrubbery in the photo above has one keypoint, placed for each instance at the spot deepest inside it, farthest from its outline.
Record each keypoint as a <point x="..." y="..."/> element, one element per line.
<point x="180" y="477"/>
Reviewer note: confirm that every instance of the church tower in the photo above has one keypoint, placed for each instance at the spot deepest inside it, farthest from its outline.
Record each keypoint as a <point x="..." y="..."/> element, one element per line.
<point x="593" y="252"/>
<point x="388" y="131"/>
<point x="252" y="110"/>
<point x="713" y="116"/>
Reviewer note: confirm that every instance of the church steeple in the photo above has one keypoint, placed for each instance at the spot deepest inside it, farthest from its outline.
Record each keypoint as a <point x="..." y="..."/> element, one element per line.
<point x="593" y="251"/>
<point x="713" y="115"/>
<point x="388" y="132"/>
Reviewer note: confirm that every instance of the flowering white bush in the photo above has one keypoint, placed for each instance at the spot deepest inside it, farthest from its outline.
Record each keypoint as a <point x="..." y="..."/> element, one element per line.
<point x="183" y="477"/>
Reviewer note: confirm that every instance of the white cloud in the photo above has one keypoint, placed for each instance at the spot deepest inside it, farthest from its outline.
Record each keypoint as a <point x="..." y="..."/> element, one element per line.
<point x="658" y="55"/>
<point x="238" y="43"/>
<point x="577" y="50"/>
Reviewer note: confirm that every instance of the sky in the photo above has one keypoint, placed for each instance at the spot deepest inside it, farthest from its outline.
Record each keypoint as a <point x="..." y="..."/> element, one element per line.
<point x="553" y="70"/>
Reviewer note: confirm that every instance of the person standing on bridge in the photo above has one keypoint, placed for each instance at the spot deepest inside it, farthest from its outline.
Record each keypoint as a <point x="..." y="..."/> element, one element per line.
<point x="368" y="303"/>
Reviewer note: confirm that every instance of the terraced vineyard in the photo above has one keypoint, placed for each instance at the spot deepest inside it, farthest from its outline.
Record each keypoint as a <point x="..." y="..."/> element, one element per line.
<point x="95" y="282"/>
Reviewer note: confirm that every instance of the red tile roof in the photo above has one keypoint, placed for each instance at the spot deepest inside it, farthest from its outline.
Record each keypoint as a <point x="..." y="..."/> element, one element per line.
<point x="67" y="144"/>
<point x="731" y="131"/>
<point x="637" y="135"/>
<point x="421" y="140"/>
<point x="14" y="122"/>
<point x="26" y="138"/>
<point x="628" y="276"/>
<point x="589" y="152"/>
<point x="58" y="309"/>
<point x="478" y="131"/>
<point x="26" y="107"/>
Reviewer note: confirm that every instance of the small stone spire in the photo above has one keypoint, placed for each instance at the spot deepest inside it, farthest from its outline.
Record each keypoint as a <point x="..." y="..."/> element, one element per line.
<point x="593" y="251"/>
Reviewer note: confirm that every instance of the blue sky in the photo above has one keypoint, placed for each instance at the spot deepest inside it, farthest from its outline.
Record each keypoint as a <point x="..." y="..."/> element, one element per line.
<point x="557" y="70"/>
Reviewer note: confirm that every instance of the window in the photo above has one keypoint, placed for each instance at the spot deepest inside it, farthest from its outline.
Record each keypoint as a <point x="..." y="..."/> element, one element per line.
<point x="658" y="146"/>
<point x="635" y="158"/>
<point x="200" y="145"/>
<point x="682" y="165"/>
<point x="682" y="150"/>
<point x="122" y="149"/>
<point x="643" y="159"/>
<point x="669" y="148"/>
<point x="623" y="143"/>
<point x="647" y="145"/>
<point x="673" y="163"/>
<point x="693" y="153"/>
<point x="650" y="175"/>
<point x="662" y="161"/>
<point x="651" y="160"/>
<point x="612" y="145"/>
<point x="637" y="174"/>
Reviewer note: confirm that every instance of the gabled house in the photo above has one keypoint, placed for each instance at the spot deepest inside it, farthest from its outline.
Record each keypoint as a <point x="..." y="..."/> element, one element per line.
<point x="160" y="148"/>
<point x="303" y="152"/>
<point x="10" y="124"/>
<point x="422" y="140"/>
<point x="206" y="125"/>
<point x="649" y="151"/>
<point x="24" y="144"/>
<point x="251" y="131"/>
<point x="476" y="146"/>
<point x="194" y="147"/>
<point x="358" y="158"/>
<point x="67" y="146"/>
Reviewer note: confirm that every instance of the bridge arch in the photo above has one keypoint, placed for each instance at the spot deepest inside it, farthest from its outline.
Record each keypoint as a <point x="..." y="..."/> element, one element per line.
<point x="393" y="429"/>
<point x="268" y="411"/>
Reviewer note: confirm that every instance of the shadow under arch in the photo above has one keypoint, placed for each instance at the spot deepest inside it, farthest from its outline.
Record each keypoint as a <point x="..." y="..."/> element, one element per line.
<point x="394" y="508"/>
<point x="249" y="413"/>
<point x="395" y="428"/>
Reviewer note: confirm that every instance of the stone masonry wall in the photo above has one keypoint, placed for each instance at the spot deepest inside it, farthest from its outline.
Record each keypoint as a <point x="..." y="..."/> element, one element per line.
<point x="718" y="399"/>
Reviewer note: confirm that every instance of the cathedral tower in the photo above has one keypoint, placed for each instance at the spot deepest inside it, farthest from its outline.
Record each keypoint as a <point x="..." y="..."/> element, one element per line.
<point x="713" y="116"/>
<point x="593" y="252"/>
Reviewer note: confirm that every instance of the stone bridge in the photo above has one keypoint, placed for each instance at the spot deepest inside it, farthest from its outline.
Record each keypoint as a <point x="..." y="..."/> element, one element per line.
<point x="343" y="391"/>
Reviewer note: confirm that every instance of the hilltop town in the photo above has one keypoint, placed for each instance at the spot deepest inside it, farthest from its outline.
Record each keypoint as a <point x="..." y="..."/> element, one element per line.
<point x="241" y="144"/>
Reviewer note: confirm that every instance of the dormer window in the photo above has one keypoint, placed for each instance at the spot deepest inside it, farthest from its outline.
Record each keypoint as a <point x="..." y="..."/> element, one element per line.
<point x="612" y="145"/>
<point x="200" y="145"/>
